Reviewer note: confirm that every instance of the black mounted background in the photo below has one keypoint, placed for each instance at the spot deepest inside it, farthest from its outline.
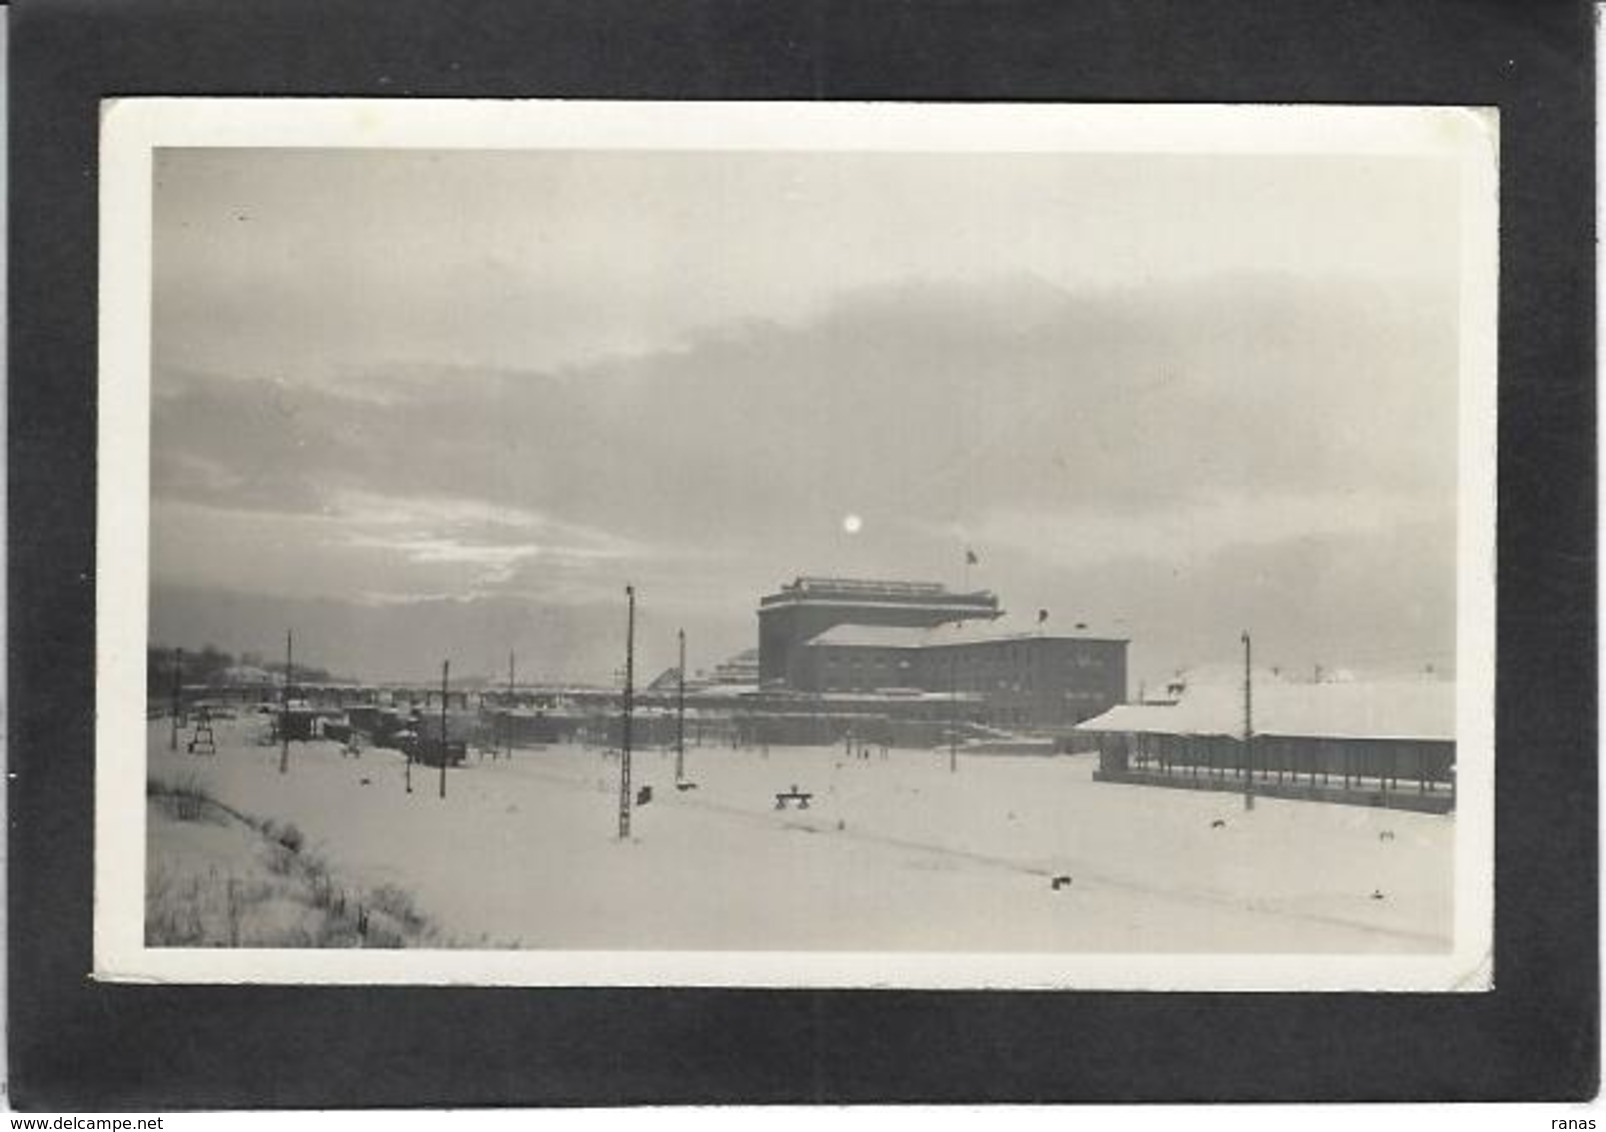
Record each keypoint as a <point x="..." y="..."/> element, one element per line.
<point x="76" y="1045"/>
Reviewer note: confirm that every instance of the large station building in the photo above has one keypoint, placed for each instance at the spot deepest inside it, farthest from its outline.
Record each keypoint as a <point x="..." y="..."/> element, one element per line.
<point x="840" y="636"/>
<point x="800" y="611"/>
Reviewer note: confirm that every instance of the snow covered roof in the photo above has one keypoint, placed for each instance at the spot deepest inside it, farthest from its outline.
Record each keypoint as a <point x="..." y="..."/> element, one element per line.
<point x="1003" y="628"/>
<point x="1014" y="627"/>
<point x="876" y="636"/>
<point x="1136" y="717"/>
<point x="712" y="690"/>
<point x="1419" y="709"/>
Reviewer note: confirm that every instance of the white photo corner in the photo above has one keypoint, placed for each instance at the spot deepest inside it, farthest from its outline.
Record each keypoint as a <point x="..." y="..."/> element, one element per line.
<point x="561" y="543"/>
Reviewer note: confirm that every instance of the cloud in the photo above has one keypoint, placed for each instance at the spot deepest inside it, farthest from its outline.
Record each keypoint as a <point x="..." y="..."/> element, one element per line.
<point x="375" y="547"/>
<point x="1195" y="527"/>
<point x="420" y="400"/>
<point x="1099" y="435"/>
<point x="287" y="261"/>
<point x="919" y="398"/>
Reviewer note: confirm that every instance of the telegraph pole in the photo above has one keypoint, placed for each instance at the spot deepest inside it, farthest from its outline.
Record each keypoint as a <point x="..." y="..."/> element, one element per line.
<point x="680" y="714"/>
<point x="624" y="746"/>
<point x="507" y="718"/>
<point x="284" y="715"/>
<point x="178" y="695"/>
<point x="446" y="668"/>
<point x="1249" y="731"/>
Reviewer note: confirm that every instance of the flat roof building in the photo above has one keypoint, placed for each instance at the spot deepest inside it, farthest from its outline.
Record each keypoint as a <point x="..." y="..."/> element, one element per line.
<point x="806" y="607"/>
<point x="1373" y="743"/>
<point x="832" y="636"/>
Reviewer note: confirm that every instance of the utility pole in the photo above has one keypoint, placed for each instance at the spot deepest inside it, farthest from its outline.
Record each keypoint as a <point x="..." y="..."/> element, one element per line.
<point x="178" y="695"/>
<point x="680" y="714"/>
<point x="446" y="669"/>
<point x="1249" y="731"/>
<point x="624" y="746"/>
<point x="284" y="715"/>
<point x="507" y="717"/>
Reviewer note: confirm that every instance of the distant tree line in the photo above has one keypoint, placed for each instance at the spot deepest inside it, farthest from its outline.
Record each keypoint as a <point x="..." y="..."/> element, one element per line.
<point x="210" y="665"/>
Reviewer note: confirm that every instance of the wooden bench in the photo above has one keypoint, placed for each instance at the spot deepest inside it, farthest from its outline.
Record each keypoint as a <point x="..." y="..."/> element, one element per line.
<point x="801" y="797"/>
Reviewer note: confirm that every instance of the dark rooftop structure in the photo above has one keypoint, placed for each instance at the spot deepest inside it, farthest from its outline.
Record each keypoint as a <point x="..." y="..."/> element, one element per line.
<point x="806" y="607"/>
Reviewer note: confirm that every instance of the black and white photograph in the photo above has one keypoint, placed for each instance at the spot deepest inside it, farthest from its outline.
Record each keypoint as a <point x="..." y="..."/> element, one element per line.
<point x="566" y="543"/>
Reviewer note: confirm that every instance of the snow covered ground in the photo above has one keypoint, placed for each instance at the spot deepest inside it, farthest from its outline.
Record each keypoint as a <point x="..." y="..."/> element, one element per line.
<point x="893" y="854"/>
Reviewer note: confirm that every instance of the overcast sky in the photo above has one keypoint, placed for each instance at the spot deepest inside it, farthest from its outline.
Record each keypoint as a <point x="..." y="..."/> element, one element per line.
<point x="430" y="403"/>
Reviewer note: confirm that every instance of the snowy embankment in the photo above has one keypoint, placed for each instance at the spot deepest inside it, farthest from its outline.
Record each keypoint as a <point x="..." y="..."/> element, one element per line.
<point x="894" y="853"/>
<point x="216" y="879"/>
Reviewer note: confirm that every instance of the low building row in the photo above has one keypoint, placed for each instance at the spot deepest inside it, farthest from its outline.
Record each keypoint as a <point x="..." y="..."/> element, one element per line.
<point x="1373" y="743"/>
